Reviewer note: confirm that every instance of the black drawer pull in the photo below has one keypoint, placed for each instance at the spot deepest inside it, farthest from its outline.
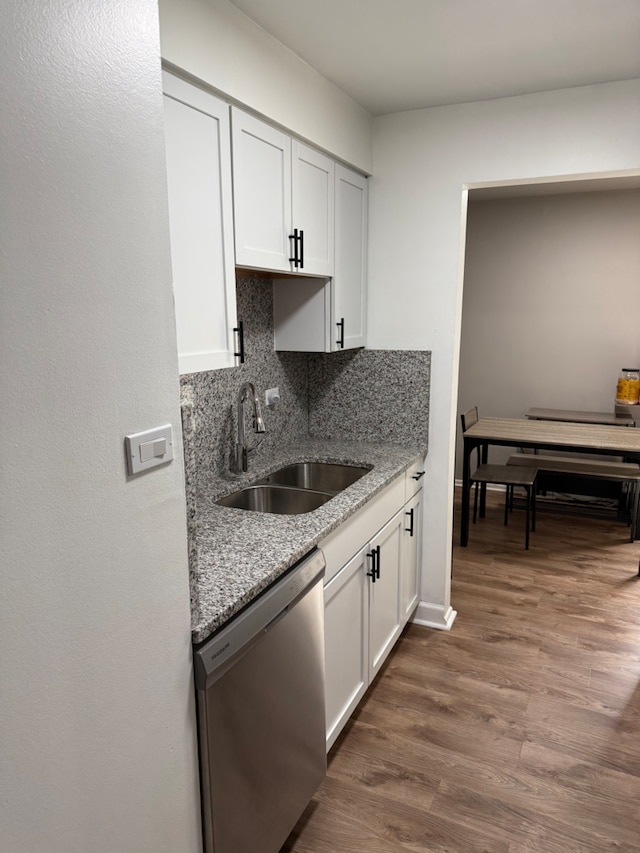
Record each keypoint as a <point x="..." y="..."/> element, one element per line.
<point x="340" y="325"/>
<point x="295" y="260"/>
<point x="240" y="331"/>
<point x="409" y="529"/>
<point x="418" y="475"/>
<point x="372" y="574"/>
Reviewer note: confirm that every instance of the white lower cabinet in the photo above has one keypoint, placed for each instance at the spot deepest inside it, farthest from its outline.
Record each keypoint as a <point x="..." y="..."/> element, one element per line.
<point x="369" y="597"/>
<point x="346" y="643"/>
<point x="411" y="558"/>
<point x="384" y="592"/>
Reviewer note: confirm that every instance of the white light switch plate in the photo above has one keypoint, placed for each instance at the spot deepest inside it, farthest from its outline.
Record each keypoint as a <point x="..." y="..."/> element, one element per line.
<point x="148" y="449"/>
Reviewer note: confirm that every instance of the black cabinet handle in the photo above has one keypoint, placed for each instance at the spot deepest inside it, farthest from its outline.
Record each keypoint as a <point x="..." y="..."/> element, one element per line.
<point x="340" y="325"/>
<point x="240" y="330"/>
<point x="417" y="475"/>
<point x="295" y="260"/>
<point x="372" y="574"/>
<point x="409" y="529"/>
<point x="298" y="249"/>
<point x="374" y="556"/>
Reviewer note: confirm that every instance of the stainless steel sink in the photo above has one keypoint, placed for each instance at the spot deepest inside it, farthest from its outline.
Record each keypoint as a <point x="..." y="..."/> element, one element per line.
<point x="319" y="476"/>
<point x="276" y="499"/>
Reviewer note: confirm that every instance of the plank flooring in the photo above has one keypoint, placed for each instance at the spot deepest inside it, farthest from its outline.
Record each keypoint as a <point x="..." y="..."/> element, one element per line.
<point x="516" y="732"/>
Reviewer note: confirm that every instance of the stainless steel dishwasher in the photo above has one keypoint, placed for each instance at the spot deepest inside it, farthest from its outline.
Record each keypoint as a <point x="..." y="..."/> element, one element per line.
<point x="261" y="715"/>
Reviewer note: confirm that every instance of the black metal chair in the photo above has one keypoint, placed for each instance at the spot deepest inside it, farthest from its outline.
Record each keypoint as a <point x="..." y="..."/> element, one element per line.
<point x="508" y="476"/>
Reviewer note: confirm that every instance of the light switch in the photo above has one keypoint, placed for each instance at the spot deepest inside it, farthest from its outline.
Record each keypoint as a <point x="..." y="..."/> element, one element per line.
<point x="153" y="449"/>
<point x="148" y="449"/>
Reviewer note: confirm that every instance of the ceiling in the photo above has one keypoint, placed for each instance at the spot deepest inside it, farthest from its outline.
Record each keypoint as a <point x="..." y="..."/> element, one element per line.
<point x="393" y="55"/>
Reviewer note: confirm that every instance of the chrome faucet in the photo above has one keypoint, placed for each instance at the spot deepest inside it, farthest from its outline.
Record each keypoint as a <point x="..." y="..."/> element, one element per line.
<point x="247" y="392"/>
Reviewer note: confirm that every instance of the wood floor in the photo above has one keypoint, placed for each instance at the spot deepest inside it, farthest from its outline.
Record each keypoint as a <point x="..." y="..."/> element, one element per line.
<point x="516" y="732"/>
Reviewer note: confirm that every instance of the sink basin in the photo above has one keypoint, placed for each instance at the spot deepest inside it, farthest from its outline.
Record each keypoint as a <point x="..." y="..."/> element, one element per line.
<point x="319" y="476"/>
<point x="276" y="499"/>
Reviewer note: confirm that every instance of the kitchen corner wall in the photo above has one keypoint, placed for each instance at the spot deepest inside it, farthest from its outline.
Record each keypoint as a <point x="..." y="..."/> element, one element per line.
<point x="361" y="395"/>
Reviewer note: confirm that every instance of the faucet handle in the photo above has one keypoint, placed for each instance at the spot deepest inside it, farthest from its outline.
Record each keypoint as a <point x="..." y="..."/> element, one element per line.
<point x="259" y="422"/>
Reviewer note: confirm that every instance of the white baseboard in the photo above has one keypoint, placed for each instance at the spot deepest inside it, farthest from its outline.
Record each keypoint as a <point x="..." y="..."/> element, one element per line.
<point x="434" y="616"/>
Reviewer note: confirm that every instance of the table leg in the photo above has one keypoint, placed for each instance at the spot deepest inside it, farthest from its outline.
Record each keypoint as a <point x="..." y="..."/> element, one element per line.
<point x="483" y="486"/>
<point x="466" y="474"/>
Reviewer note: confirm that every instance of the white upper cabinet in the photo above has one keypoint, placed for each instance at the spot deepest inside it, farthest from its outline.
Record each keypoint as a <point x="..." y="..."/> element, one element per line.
<point x="198" y="156"/>
<point x="349" y="293"/>
<point x="283" y="200"/>
<point x="313" y="209"/>
<point x="261" y="193"/>
<point x="330" y="315"/>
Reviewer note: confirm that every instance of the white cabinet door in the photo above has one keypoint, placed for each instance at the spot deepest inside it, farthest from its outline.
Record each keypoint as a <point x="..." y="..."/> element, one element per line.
<point x="262" y="193"/>
<point x="346" y="638"/>
<point x="324" y="316"/>
<point x="283" y="200"/>
<point x="384" y="593"/>
<point x="410" y="571"/>
<point x="201" y="224"/>
<point x="369" y="599"/>
<point x="312" y="186"/>
<point x="349" y="285"/>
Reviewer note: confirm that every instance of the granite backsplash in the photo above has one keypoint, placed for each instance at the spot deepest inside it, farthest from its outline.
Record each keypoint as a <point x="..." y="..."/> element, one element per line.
<point x="366" y="395"/>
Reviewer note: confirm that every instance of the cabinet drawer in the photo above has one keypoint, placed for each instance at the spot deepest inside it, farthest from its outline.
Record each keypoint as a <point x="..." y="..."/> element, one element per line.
<point x="344" y="542"/>
<point x="414" y="478"/>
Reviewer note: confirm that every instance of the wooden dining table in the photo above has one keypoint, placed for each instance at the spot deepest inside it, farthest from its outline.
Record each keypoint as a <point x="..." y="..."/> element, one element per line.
<point x="542" y="435"/>
<point x="536" y="413"/>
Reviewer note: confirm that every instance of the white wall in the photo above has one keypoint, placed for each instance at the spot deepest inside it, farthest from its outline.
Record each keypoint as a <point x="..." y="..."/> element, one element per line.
<point x="214" y="41"/>
<point x="551" y="307"/>
<point x="97" y="739"/>
<point x="422" y="159"/>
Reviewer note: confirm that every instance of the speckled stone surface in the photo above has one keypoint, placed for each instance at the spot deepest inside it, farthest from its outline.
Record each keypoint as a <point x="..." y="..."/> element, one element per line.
<point x="370" y="395"/>
<point x="190" y="468"/>
<point x="213" y="393"/>
<point x="359" y="407"/>
<point x="241" y="553"/>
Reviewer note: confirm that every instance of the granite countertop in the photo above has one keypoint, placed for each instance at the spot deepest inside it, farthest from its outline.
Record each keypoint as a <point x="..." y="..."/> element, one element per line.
<point x="237" y="553"/>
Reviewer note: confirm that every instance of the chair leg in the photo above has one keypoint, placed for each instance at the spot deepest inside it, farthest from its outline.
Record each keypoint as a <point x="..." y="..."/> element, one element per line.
<point x="526" y="538"/>
<point x="634" y="511"/>
<point x="483" y="500"/>
<point x="475" y="503"/>
<point x="533" y="508"/>
<point x="506" y="505"/>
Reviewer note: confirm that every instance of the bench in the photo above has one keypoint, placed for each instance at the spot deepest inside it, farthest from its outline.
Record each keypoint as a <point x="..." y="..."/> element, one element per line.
<point x="621" y="472"/>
